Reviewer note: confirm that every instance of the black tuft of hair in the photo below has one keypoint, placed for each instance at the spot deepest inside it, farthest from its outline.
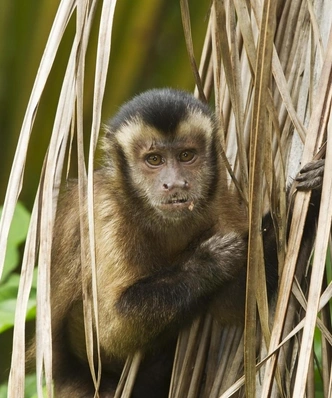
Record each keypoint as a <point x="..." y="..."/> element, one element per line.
<point x="160" y="108"/>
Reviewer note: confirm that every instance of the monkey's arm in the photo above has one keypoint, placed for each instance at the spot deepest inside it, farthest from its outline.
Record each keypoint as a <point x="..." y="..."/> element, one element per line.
<point x="310" y="178"/>
<point x="176" y="294"/>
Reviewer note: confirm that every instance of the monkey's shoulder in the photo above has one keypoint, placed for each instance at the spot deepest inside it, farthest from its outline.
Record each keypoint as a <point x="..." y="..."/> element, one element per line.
<point x="70" y="210"/>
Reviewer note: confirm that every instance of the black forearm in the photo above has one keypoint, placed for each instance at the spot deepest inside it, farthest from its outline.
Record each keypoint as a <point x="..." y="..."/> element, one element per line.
<point x="310" y="178"/>
<point x="165" y="297"/>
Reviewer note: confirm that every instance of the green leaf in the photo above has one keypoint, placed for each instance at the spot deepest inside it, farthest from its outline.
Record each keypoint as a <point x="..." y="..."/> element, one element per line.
<point x="7" y="314"/>
<point x="8" y="294"/>
<point x="17" y="235"/>
<point x="3" y="390"/>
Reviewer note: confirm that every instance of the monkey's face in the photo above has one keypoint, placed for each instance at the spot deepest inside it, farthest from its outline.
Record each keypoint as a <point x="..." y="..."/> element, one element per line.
<point x="173" y="175"/>
<point x="162" y="146"/>
<point x="170" y="176"/>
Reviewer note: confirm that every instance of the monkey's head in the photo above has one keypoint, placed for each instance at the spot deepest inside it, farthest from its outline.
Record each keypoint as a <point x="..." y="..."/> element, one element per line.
<point x="161" y="149"/>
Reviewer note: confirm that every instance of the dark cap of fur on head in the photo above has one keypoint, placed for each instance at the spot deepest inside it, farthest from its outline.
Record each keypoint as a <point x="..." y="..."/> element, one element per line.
<point x="160" y="108"/>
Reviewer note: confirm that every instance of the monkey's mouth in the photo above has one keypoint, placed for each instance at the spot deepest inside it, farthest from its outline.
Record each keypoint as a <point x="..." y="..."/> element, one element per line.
<point x="176" y="203"/>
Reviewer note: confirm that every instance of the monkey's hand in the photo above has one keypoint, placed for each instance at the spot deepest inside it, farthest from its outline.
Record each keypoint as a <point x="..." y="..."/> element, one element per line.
<point x="220" y="257"/>
<point x="311" y="176"/>
<point x="177" y="293"/>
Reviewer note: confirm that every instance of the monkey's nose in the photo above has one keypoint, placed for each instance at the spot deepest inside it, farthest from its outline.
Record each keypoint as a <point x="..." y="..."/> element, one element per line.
<point x="183" y="184"/>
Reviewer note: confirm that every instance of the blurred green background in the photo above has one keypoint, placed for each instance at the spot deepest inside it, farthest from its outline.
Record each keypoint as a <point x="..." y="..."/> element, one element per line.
<point x="148" y="50"/>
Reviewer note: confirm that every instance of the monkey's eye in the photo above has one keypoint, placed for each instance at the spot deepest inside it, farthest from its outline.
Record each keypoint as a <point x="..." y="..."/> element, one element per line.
<point x="155" y="160"/>
<point x="187" y="156"/>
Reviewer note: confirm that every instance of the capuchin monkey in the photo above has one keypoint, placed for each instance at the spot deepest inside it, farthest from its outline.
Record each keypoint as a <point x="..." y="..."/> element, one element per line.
<point x="171" y="238"/>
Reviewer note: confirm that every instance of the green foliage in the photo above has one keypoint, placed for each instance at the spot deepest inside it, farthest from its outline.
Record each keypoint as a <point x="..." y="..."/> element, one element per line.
<point x="318" y="363"/>
<point x="17" y="235"/>
<point x="30" y="387"/>
<point x="10" y="280"/>
<point x="8" y="294"/>
<point x="9" y="286"/>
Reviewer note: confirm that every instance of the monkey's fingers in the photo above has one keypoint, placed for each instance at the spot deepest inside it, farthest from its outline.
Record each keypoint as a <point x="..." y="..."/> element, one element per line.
<point x="316" y="164"/>
<point x="311" y="176"/>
